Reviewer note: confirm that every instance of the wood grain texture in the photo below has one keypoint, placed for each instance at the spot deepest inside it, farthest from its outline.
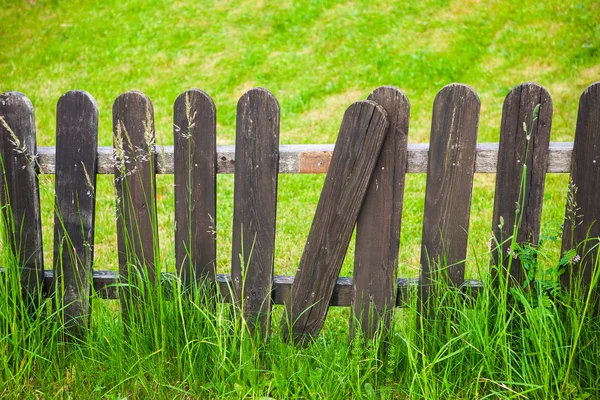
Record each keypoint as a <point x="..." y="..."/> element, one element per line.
<point x="379" y="220"/>
<point x="255" y="205"/>
<point x="19" y="191"/>
<point x="585" y="175"/>
<point x="356" y="152"/>
<point x="449" y="185"/>
<point x="524" y="141"/>
<point x="135" y="181"/>
<point x="75" y="204"/>
<point x="195" y="157"/>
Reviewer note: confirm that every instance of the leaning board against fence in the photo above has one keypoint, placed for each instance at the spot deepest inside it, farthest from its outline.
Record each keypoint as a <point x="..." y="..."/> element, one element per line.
<point x="363" y="188"/>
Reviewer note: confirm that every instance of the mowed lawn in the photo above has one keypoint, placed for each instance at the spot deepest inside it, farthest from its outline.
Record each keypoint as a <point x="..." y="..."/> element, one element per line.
<point x="316" y="57"/>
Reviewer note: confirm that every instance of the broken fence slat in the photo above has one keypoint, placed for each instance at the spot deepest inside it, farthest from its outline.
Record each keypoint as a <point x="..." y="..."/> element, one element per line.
<point x="379" y="220"/>
<point x="356" y="152"/>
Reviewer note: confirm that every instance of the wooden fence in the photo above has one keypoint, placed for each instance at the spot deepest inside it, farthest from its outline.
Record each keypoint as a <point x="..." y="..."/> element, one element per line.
<point x="363" y="188"/>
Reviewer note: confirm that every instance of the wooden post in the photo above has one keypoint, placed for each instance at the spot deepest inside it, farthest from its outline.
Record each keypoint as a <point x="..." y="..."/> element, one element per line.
<point x="195" y="161"/>
<point x="378" y="224"/>
<point x="582" y="217"/>
<point x="135" y="181"/>
<point x="449" y="185"/>
<point x="522" y="164"/>
<point x="356" y="153"/>
<point x="19" y="192"/>
<point x="76" y="154"/>
<point x="255" y="205"/>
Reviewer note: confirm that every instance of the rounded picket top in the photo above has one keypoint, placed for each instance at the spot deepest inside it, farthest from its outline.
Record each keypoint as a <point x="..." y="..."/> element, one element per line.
<point x="454" y="92"/>
<point x="259" y="93"/>
<point x="79" y="97"/>
<point x="16" y="110"/>
<point x="77" y="113"/>
<point x="529" y="92"/>
<point x="190" y="106"/>
<point x="397" y="107"/>
<point x="353" y="112"/>
<point x="133" y="103"/>
<point x="193" y="97"/>
<point x="388" y="92"/>
<point x="593" y="88"/>
<point x="14" y="101"/>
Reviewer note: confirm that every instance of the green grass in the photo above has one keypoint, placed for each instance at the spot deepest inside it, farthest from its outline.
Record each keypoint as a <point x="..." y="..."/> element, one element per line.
<point x="316" y="58"/>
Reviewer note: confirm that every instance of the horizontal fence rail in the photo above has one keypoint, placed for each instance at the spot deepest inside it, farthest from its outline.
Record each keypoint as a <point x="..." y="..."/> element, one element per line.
<point x="312" y="158"/>
<point x="106" y="285"/>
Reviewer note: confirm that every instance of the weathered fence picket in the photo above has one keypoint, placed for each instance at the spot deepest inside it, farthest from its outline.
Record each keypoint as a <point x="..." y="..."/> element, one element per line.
<point x="255" y="204"/>
<point x="195" y="156"/>
<point x="582" y="219"/>
<point x="524" y="145"/>
<point x="19" y="193"/>
<point x="135" y="181"/>
<point x="363" y="188"/>
<point x="450" y="171"/>
<point x="75" y="204"/>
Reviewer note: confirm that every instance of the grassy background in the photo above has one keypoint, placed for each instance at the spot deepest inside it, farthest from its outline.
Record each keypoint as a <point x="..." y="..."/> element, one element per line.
<point x="317" y="57"/>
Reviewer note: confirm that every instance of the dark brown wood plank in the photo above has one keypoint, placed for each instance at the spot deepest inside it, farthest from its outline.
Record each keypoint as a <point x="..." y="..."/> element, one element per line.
<point x="449" y="185"/>
<point x="74" y="207"/>
<point x="135" y="181"/>
<point x="522" y="163"/>
<point x="582" y="216"/>
<point x="19" y="191"/>
<point x="378" y="224"/>
<point x="255" y="205"/>
<point x="195" y="158"/>
<point x="356" y="152"/>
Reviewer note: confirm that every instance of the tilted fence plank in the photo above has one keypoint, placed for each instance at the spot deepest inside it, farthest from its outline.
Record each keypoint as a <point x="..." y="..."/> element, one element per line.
<point x="76" y="143"/>
<point x="135" y="180"/>
<point x="356" y="152"/>
<point x="378" y="223"/>
<point x="19" y="191"/>
<point x="449" y="185"/>
<point x="255" y="205"/>
<point x="522" y="163"/>
<point x="582" y="217"/>
<point x="195" y="186"/>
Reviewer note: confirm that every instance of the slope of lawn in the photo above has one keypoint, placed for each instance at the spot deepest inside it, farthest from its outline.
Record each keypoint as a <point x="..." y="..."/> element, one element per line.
<point x="316" y="57"/>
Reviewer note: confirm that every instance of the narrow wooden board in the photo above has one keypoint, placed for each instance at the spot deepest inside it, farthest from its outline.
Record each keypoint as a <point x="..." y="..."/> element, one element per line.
<point x="449" y="185"/>
<point x="379" y="220"/>
<point x="19" y="191"/>
<point x="255" y="205"/>
<point x="195" y="158"/>
<point x="74" y="207"/>
<point x="315" y="158"/>
<point x="135" y="181"/>
<point x="524" y="140"/>
<point x="585" y="175"/>
<point x="356" y="152"/>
